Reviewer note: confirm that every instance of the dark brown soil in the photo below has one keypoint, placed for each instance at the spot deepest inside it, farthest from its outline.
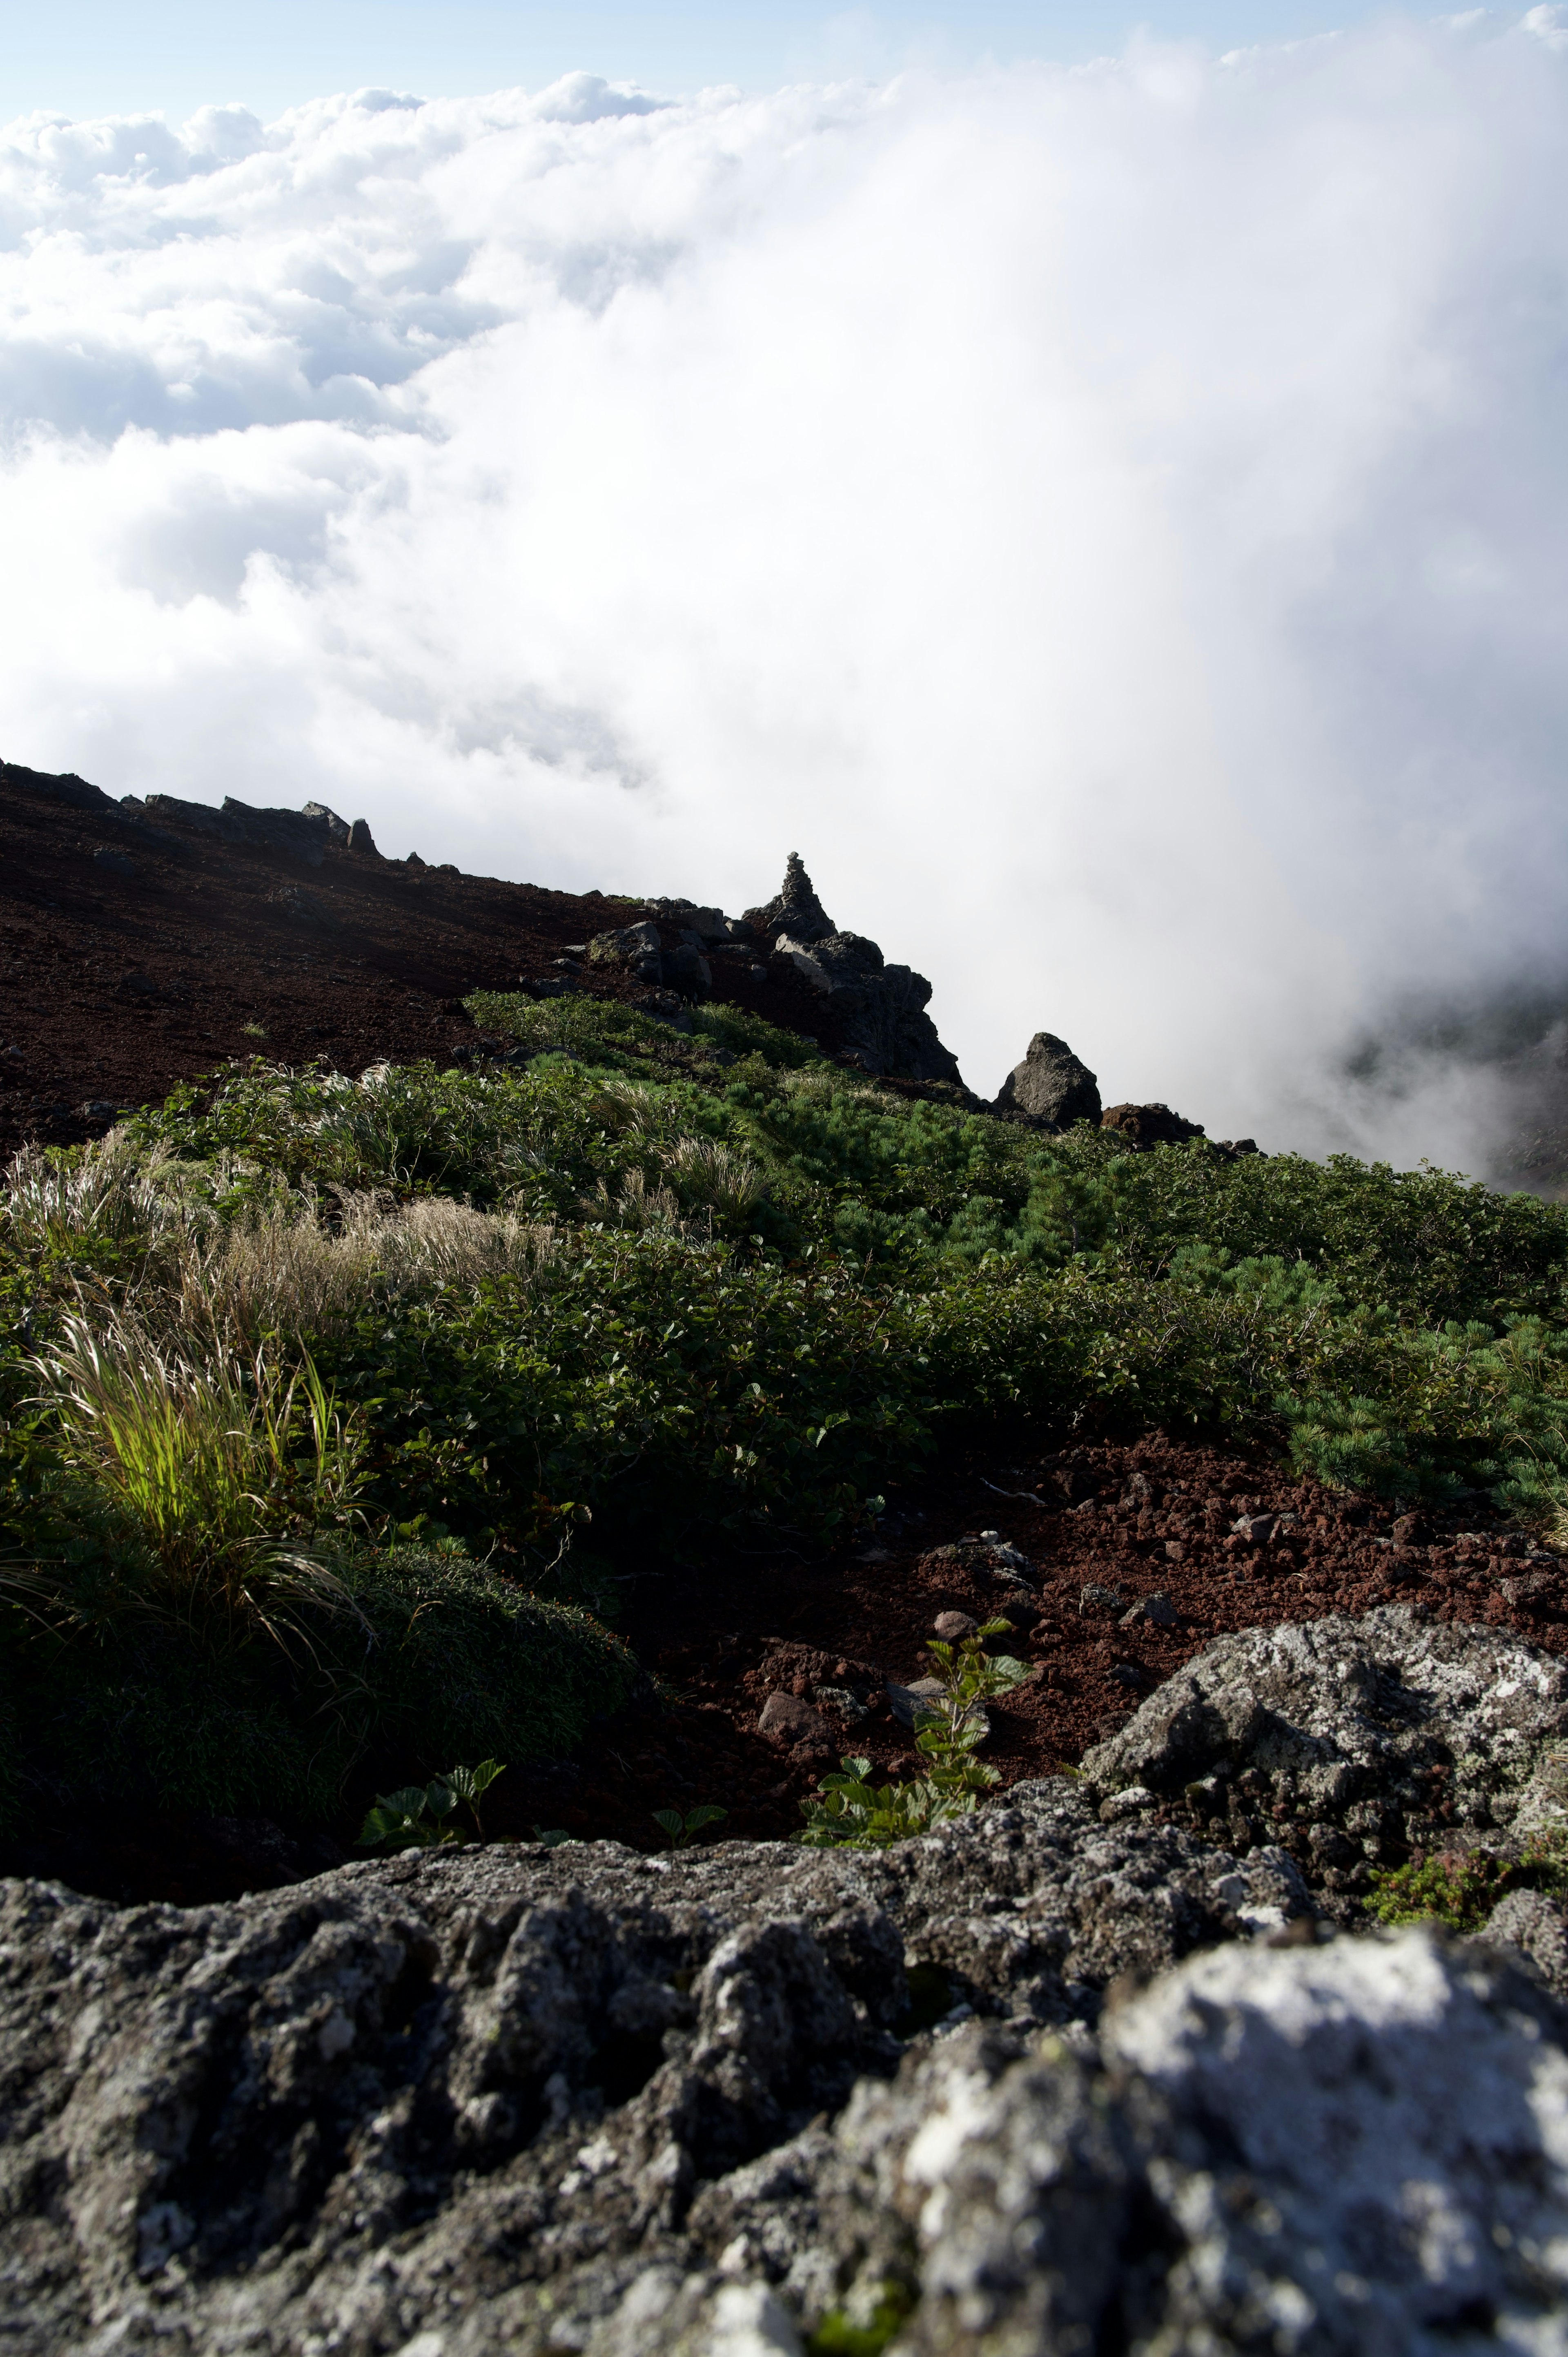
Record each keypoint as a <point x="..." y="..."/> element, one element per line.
<point x="119" y="981"/>
<point x="720" y="1637"/>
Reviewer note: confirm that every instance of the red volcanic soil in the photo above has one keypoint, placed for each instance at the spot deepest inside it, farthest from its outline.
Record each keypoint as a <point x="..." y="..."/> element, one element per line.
<point x="139" y="949"/>
<point x="1133" y="1520"/>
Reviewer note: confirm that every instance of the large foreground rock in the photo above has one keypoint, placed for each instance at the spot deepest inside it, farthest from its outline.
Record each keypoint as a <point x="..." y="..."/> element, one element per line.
<point x="337" y="2115"/>
<point x="537" y="2102"/>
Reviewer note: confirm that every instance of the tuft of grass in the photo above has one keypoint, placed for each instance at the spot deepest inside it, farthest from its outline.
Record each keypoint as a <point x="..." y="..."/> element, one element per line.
<point x="214" y="1477"/>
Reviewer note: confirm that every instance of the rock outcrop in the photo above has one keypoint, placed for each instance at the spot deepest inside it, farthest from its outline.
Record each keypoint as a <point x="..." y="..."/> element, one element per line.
<point x="1144" y="1125"/>
<point x="878" y="1010"/>
<point x="530" y="2101"/>
<point x="1361" y="1738"/>
<point x="1050" y="1086"/>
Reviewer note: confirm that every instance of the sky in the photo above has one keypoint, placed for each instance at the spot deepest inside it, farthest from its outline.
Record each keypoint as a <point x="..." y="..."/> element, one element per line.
<point x="1110" y="515"/>
<point x="97" y="56"/>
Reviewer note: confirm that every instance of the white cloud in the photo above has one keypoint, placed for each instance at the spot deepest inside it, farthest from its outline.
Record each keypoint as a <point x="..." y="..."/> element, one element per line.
<point x="1111" y="521"/>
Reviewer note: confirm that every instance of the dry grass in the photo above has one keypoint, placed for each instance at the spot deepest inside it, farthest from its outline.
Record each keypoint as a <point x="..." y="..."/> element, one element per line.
<point x="285" y="1271"/>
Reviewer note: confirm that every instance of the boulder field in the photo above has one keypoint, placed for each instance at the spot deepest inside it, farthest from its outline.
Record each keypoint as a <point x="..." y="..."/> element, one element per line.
<point x="1065" y="2075"/>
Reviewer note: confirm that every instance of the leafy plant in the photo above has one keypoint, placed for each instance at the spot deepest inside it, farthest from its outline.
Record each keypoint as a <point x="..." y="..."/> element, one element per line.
<point x="418" y="1817"/>
<point x="969" y="1678"/>
<point x="681" y="1831"/>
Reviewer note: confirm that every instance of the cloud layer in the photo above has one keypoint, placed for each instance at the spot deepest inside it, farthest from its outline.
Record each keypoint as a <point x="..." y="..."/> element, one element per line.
<point x="1111" y="521"/>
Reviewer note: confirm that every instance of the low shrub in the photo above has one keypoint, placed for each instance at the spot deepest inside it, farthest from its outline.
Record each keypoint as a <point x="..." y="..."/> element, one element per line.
<point x="442" y="1657"/>
<point x="1460" y="1888"/>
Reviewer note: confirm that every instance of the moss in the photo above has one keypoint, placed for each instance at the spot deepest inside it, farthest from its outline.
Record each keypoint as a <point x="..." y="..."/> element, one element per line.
<point x="1461" y="1888"/>
<point x="838" y="2335"/>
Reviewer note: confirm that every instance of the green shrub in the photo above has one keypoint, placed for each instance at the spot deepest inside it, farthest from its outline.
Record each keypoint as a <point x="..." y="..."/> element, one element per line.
<point x="443" y="1658"/>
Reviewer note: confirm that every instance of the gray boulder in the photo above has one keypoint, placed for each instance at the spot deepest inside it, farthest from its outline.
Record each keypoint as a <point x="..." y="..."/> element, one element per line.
<point x="1051" y="1084"/>
<point x="637" y="946"/>
<point x="478" y="2093"/>
<point x="1355" y="1739"/>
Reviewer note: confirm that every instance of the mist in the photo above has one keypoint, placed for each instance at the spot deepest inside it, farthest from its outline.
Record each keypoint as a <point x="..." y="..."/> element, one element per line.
<point x="1110" y="520"/>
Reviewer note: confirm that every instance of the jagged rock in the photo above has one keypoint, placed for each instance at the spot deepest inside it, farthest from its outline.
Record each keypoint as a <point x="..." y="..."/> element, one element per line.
<point x="525" y="2102"/>
<point x="795" y="909"/>
<point x="637" y="946"/>
<point x="1051" y="1084"/>
<point x="687" y="971"/>
<point x="311" y="2118"/>
<point x="361" y="839"/>
<point x="1394" y="1728"/>
<point x="1146" y="1126"/>
<point x="705" y="924"/>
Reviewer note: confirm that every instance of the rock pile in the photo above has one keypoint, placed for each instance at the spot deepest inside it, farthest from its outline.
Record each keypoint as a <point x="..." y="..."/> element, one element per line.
<point x="878" y="1009"/>
<point x="1056" y="2076"/>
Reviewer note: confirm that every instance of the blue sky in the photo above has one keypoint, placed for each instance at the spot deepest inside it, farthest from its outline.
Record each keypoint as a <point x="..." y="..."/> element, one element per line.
<point x="93" y="56"/>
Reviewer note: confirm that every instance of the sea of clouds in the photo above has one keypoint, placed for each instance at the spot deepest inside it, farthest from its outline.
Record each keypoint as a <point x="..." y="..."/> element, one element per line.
<point x="1112" y="522"/>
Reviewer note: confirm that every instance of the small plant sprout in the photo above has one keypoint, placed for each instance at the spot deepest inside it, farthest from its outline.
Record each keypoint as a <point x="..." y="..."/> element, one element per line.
<point x="418" y="1817"/>
<point x="970" y="1679"/>
<point x="683" y="1830"/>
<point x="849" y="1812"/>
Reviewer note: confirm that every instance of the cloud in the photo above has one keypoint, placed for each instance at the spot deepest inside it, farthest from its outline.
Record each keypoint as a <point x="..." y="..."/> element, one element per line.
<point x="1110" y="520"/>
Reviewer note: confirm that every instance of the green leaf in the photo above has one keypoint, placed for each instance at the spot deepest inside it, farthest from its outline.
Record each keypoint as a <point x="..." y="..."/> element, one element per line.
<point x="706" y="1813"/>
<point x="670" y="1822"/>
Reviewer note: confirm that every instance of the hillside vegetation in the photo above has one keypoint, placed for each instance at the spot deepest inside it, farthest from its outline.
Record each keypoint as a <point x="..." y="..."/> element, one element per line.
<point x="331" y="1406"/>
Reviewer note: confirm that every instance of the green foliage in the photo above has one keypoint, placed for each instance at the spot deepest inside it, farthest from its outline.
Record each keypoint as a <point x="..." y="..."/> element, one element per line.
<point x="438" y="1654"/>
<point x="970" y="1677"/>
<point x="421" y="1816"/>
<point x="1460" y="1888"/>
<point x="848" y="1811"/>
<point x="648" y="1284"/>
<point x="683" y="1830"/>
<point x="210" y="1480"/>
<point x="867" y="2334"/>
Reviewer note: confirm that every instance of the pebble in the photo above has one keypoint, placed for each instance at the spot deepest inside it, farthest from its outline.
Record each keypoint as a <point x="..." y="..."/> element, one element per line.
<point x="953" y="1627"/>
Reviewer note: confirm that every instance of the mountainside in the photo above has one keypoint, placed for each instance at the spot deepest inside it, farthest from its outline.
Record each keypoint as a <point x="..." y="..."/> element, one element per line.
<point x="143" y="942"/>
<point x="769" y="1712"/>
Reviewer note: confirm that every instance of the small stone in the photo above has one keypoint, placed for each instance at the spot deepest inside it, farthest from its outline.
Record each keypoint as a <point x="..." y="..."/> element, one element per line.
<point x="1157" y="1608"/>
<point x="953" y="1627"/>
<point x="916" y="1699"/>
<point x="788" y="1719"/>
<point x="1126" y="1803"/>
<point x="1095" y="1598"/>
<point x="114" y="861"/>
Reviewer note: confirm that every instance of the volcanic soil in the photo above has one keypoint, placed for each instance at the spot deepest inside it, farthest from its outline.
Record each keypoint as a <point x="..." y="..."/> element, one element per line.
<point x="137" y="951"/>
